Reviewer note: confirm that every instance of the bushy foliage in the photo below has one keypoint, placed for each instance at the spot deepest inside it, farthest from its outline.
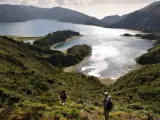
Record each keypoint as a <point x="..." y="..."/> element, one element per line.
<point x="30" y="84"/>
<point x="55" y="37"/>
<point x="139" y="89"/>
<point x="149" y="36"/>
<point x="152" y="57"/>
<point x="74" y="55"/>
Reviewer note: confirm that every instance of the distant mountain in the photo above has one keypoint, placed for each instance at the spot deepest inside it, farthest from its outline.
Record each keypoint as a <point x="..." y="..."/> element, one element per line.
<point x="146" y="19"/>
<point x="35" y="11"/>
<point x="109" y="20"/>
<point x="16" y="13"/>
<point x="67" y="15"/>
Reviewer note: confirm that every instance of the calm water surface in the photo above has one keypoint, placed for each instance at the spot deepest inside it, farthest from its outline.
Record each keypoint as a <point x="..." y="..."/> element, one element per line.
<point x="112" y="56"/>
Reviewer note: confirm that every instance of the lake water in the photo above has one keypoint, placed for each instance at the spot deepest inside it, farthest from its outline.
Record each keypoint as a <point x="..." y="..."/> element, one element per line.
<point x="112" y="56"/>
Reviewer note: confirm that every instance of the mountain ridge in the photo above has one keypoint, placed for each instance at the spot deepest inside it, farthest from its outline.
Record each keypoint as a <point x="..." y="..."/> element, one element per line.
<point x="145" y="19"/>
<point x="18" y="13"/>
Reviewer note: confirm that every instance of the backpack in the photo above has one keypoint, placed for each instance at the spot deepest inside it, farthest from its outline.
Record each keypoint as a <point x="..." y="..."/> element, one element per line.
<point x="63" y="96"/>
<point x="109" y="105"/>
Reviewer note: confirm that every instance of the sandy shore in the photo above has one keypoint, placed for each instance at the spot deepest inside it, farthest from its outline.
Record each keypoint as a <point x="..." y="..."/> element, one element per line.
<point x="74" y="68"/>
<point x="21" y="38"/>
<point x="107" y="81"/>
<point x="69" y="39"/>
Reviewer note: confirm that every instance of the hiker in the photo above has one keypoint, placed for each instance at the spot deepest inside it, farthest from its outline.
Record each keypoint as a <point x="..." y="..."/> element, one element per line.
<point x="63" y="97"/>
<point x="149" y="115"/>
<point x="107" y="105"/>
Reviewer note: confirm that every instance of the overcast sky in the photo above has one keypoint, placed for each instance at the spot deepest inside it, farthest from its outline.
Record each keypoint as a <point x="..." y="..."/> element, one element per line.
<point x="97" y="8"/>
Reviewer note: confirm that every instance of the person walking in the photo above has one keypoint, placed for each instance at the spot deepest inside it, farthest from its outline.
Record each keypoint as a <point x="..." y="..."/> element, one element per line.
<point x="107" y="105"/>
<point x="63" y="97"/>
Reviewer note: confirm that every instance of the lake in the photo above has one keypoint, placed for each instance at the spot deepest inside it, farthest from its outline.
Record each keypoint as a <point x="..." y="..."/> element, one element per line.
<point x="112" y="55"/>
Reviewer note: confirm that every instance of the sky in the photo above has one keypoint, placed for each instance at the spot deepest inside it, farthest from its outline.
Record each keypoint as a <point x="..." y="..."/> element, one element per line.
<point x="95" y="8"/>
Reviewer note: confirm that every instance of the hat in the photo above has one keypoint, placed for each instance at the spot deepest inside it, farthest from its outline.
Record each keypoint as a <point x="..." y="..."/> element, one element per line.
<point x="106" y="93"/>
<point x="109" y="98"/>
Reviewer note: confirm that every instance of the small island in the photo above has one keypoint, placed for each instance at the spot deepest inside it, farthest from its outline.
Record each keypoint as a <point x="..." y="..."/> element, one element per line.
<point x="127" y="35"/>
<point x="143" y="36"/>
<point x="54" y="38"/>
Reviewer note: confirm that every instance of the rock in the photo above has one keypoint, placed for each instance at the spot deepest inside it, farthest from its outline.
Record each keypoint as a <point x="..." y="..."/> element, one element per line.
<point x="138" y="35"/>
<point x="127" y="35"/>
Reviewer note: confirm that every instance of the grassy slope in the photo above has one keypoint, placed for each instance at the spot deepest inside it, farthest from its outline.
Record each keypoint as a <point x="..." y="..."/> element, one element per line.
<point x="152" y="57"/>
<point x="29" y="85"/>
<point x="140" y="89"/>
<point x="29" y="89"/>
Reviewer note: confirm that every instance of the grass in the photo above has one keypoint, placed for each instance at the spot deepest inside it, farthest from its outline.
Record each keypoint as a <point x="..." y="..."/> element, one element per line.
<point x="30" y="85"/>
<point x="152" y="57"/>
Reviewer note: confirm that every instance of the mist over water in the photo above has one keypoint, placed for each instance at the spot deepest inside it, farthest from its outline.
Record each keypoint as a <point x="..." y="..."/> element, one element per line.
<point x="112" y="55"/>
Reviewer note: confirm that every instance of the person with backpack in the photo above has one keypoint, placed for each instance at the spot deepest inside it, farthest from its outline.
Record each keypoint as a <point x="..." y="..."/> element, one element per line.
<point x="107" y="105"/>
<point x="63" y="97"/>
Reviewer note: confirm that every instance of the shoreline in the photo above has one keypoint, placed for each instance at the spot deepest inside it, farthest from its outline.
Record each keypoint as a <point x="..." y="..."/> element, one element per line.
<point x="22" y="38"/>
<point x="74" y="68"/>
<point x="69" y="39"/>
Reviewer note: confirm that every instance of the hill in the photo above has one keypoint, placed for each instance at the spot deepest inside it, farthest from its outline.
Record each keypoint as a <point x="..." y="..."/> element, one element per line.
<point x="67" y="15"/>
<point x="139" y="90"/>
<point x="152" y="57"/>
<point x="30" y="84"/>
<point x="55" y="37"/>
<point x="109" y="20"/>
<point x="146" y="19"/>
<point x="16" y="13"/>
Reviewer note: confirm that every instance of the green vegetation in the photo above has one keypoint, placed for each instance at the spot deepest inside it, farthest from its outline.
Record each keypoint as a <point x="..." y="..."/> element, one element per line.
<point x="157" y="43"/>
<point x="127" y="35"/>
<point x="152" y="57"/>
<point x="55" y="37"/>
<point x="149" y="36"/>
<point x="74" y="55"/>
<point x="30" y="85"/>
<point x="139" y="90"/>
<point x="145" y="36"/>
<point x="31" y="79"/>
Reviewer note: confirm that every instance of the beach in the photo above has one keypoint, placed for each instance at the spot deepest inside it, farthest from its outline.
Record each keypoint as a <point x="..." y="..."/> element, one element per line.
<point x="69" y="39"/>
<point x="74" y="68"/>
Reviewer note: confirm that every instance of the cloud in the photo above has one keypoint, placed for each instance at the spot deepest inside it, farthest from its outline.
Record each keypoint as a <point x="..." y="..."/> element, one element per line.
<point x="50" y="3"/>
<point x="97" y="8"/>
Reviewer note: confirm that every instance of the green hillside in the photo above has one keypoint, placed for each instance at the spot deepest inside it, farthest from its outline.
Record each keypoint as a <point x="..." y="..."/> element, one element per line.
<point x="30" y="82"/>
<point x="140" y="89"/>
<point x="152" y="57"/>
<point x="30" y="85"/>
<point x="55" y="37"/>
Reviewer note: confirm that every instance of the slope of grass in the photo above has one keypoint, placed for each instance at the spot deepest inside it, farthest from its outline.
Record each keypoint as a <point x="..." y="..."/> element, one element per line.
<point x="152" y="57"/>
<point x="30" y="84"/>
<point x="139" y="90"/>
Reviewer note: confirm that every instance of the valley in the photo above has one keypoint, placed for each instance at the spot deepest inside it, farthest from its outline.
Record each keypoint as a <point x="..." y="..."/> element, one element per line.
<point x="44" y="51"/>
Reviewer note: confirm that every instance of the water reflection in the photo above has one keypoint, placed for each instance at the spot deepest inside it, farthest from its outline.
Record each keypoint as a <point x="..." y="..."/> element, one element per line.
<point x="113" y="55"/>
